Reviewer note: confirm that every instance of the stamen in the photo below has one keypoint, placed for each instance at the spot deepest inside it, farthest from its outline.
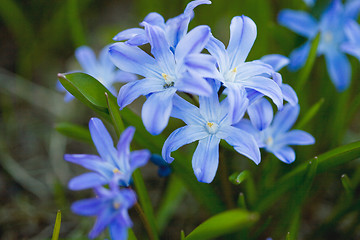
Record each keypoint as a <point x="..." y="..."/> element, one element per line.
<point x="116" y="205"/>
<point x="115" y="170"/>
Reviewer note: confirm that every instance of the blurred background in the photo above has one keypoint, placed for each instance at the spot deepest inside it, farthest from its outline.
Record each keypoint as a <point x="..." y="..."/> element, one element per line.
<point x="38" y="39"/>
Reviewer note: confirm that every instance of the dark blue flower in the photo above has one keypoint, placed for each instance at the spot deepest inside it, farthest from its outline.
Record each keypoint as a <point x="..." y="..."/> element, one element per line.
<point x="113" y="162"/>
<point x="164" y="168"/>
<point x="332" y="28"/>
<point x="273" y="134"/>
<point x="208" y="124"/>
<point x="111" y="208"/>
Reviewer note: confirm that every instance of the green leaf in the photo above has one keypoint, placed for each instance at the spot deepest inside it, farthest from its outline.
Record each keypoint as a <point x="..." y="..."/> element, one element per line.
<point x="74" y="131"/>
<point x="223" y="223"/>
<point x="237" y="178"/>
<point x="241" y="201"/>
<point x="56" y="231"/>
<point x="306" y="70"/>
<point x="310" y="114"/>
<point x="88" y="90"/>
<point x="115" y="115"/>
<point x="347" y="185"/>
<point x="328" y="160"/>
<point x="182" y="235"/>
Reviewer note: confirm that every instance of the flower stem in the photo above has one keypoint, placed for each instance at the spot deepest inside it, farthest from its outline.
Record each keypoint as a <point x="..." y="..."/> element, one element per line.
<point x="225" y="183"/>
<point x="145" y="221"/>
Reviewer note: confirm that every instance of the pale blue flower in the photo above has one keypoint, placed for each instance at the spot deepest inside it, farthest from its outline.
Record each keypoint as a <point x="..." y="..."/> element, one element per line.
<point x="111" y="208"/>
<point x="101" y="69"/>
<point x="273" y="134"/>
<point x="239" y="76"/>
<point x="208" y="124"/>
<point x="164" y="74"/>
<point x="113" y="162"/>
<point x="352" y="45"/>
<point x="174" y="28"/>
<point x="331" y="26"/>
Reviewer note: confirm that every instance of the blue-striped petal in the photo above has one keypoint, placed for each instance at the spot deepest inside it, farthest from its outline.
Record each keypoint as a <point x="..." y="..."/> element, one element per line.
<point x="205" y="160"/>
<point x="277" y="61"/>
<point x="87" y="180"/>
<point x="186" y="111"/>
<point x="299" y="56"/>
<point x="181" y="137"/>
<point x="261" y="114"/>
<point x="87" y="59"/>
<point x="88" y="207"/>
<point x="285" y="118"/>
<point x="289" y="94"/>
<point x="285" y="154"/>
<point x="339" y="69"/>
<point x="128" y="34"/>
<point x="156" y="110"/>
<point x="295" y="137"/>
<point x="242" y="37"/>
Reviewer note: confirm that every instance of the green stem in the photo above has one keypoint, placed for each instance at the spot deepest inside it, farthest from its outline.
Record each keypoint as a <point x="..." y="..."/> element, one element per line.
<point x="144" y="220"/>
<point x="225" y="183"/>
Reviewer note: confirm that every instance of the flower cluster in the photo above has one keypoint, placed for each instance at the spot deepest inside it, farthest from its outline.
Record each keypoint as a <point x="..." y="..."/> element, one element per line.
<point x="114" y="167"/>
<point x="185" y="66"/>
<point x="339" y="34"/>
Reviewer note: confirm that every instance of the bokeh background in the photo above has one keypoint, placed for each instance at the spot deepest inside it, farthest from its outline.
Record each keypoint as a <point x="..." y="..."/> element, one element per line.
<point x="38" y="39"/>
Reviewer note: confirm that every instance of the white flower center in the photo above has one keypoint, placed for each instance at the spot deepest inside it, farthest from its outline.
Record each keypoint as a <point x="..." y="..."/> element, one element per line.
<point x="328" y="36"/>
<point x="212" y="127"/>
<point x="230" y="75"/>
<point x="116" y="205"/>
<point x="269" y="141"/>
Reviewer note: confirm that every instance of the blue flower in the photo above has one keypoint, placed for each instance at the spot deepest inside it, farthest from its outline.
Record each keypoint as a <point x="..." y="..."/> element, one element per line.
<point x="175" y="28"/>
<point x="352" y="45"/>
<point x="101" y="69"/>
<point x="113" y="162"/>
<point x="273" y="134"/>
<point x="164" y="168"/>
<point x="333" y="22"/>
<point x="164" y="74"/>
<point x="209" y="124"/>
<point x="236" y="74"/>
<point x="111" y="208"/>
<point x="310" y="3"/>
<point x="277" y="62"/>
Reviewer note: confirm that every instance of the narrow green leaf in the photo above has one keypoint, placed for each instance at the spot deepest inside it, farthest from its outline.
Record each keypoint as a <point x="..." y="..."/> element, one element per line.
<point x="74" y="131"/>
<point x="241" y="201"/>
<point x="223" y="223"/>
<point x="74" y="23"/>
<point x="182" y="235"/>
<point x="237" y="178"/>
<point x="306" y="70"/>
<point x="88" y="90"/>
<point x="347" y="185"/>
<point x="115" y="115"/>
<point x="328" y="160"/>
<point x="56" y="231"/>
<point x="131" y="235"/>
<point x="173" y="196"/>
<point x="288" y="236"/>
<point x="145" y="201"/>
<point x="310" y="114"/>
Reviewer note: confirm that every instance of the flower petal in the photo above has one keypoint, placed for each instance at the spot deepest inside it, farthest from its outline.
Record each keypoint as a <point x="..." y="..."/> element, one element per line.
<point x="87" y="59"/>
<point x="193" y="83"/>
<point x="185" y="111"/>
<point x="352" y="9"/>
<point x="205" y="160"/>
<point x="242" y="37"/>
<point x="138" y="159"/>
<point x="243" y="142"/>
<point x="298" y="56"/>
<point x="102" y="140"/>
<point x="277" y="61"/>
<point x="238" y="102"/>
<point x="261" y="114"/>
<point x="91" y="162"/>
<point x="103" y="219"/>
<point x="155" y="18"/>
<point x="156" y="110"/>
<point x="217" y="49"/>
<point x="123" y="149"/>
<point x="88" y="207"/>
<point x="181" y="137"/>
<point x="285" y="154"/>
<point x="247" y="126"/>
<point x="285" y="118"/>
<point x="128" y="34"/>
<point x="296" y="137"/>
<point x="133" y="59"/>
<point x="122" y="76"/>
<point x="339" y="69"/>
<point x="132" y="90"/>
<point x="298" y="21"/>
<point x="87" y="180"/>
<point x="267" y="87"/>
<point x="193" y="42"/>
<point x="117" y="230"/>
<point x="209" y="106"/>
<point x="289" y="94"/>
<point x="160" y="48"/>
<point x="203" y="64"/>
